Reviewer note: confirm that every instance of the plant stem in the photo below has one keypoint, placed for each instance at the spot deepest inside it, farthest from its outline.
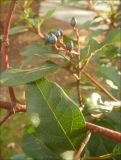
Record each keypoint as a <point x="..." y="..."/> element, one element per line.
<point x="114" y="135"/>
<point x="5" y="117"/>
<point x="95" y="82"/>
<point x="9" y="107"/>
<point x="76" y="31"/>
<point x="84" y="143"/>
<point x="5" y="44"/>
<point x="92" y="127"/>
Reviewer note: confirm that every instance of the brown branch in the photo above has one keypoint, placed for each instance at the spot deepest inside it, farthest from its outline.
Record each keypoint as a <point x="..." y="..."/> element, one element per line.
<point x="5" y="117"/>
<point x="5" y="44"/>
<point x="92" y="127"/>
<point x="114" y="135"/>
<point x="9" y="106"/>
<point x="95" y="82"/>
<point x="84" y="143"/>
<point x="11" y="109"/>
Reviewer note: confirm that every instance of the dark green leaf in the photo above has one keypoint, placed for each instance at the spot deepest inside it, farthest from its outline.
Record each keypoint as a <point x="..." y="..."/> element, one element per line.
<point x="12" y="77"/>
<point x="105" y="145"/>
<point x="34" y="147"/>
<point x="59" y="123"/>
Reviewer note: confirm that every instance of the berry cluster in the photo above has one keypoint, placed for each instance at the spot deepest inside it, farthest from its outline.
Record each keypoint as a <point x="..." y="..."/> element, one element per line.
<point x="57" y="35"/>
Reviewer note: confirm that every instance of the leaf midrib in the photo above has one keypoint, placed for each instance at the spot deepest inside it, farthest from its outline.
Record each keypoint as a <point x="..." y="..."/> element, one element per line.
<point x="56" y="118"/>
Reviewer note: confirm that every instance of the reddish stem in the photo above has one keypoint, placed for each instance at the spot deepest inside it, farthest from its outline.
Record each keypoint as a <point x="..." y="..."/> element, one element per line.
<point x="114" y="135"/>
<point x="5" y="44"/>
<point x="96" y="83"/>
<point x="9" y="106"/>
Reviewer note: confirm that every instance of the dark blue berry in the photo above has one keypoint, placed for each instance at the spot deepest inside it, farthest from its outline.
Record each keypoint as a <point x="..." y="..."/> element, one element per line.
<point x="73" y="22"/>
<point x="52" y="39"/>
<point x="69" y="45"/>
<point x="57" y="33"/>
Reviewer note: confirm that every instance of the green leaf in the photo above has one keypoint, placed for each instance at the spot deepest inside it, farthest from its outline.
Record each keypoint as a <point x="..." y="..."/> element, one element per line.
<point x="49" y="13"/>
<point x="95" y="33"/>
<point x="110" y="73"/>
<point x="105" y="145"/>
<point x="114" y="37"/>
<point x="110" y="51"/>
<point x="43" y="51"/>
<point x="17" y="29"/>
<point x="20" y="156"/>
<point x="12" y="77"/>
<point x="58" y="121"/>
<point x="117" y="151"/>
<point x="93" y="47"/>
<point x="34" y="147"/>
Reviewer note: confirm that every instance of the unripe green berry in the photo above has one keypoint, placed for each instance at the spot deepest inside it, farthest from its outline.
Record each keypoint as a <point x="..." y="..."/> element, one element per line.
<point x="73" y="22"/>
<point x="69" y="45"/>
<point x="52" y="39"/>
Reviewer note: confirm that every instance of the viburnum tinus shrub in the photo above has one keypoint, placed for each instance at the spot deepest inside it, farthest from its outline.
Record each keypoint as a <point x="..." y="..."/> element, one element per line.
<point x="81" y="125"/>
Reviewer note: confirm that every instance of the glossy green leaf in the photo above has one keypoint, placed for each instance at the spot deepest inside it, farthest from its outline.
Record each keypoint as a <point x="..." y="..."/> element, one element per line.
<point x="12" y="77"/>
<point x="58" y="121"/>
<point x="43" y="51"/>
